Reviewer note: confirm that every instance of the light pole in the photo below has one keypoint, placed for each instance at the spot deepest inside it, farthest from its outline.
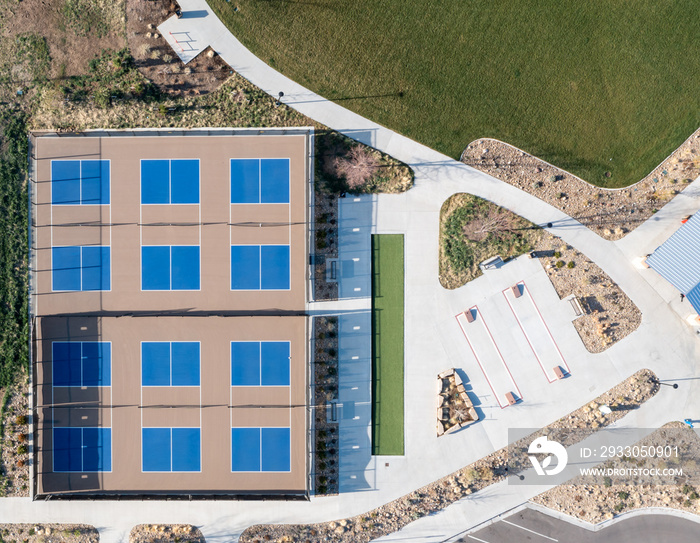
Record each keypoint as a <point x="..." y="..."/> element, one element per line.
<point x="279" y="99"/>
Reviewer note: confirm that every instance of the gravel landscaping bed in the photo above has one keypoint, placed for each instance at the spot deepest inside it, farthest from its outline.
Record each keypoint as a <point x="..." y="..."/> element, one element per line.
<point x="609" y="314"/>
<point x="14" y="455"/>
<point x="49" y="533"/>
<point x="595" y="502"/>
<point x="626" y="396"/>
<point x="165" y="533"/>
<point x="611" y="213"/>
<point x="325" y="389"/>
<point x="325" y="239"/>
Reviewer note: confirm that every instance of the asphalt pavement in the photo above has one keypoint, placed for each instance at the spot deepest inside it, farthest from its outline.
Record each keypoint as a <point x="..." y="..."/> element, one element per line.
<point x="530" y="525"/>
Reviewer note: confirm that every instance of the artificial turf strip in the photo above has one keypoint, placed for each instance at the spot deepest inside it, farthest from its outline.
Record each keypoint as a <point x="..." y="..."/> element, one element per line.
<point x="589" y="86"/>
<point x="387" y="344"/>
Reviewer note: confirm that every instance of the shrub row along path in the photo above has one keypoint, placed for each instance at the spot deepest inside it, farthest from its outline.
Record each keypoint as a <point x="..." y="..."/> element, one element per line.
<point x="664" y="343"/>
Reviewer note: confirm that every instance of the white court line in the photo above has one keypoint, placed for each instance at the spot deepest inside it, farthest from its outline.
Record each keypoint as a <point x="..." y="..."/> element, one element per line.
<point x="531" y="531"/>
<point x="477" y="539"/>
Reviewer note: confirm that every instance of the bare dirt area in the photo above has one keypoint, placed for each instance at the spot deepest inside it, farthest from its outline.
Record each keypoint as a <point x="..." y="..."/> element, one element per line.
<point x="49" y="533"/>
<point x="75" y="31"/>
<point x="598" y="502"/>
<point x="157" y="61"/>
<point x="389" y="518"/>
<point x="608" y="313"/>
<point x="14" y="444"/>
<point x="165" y="533"/>
<point x="611" y="213"/>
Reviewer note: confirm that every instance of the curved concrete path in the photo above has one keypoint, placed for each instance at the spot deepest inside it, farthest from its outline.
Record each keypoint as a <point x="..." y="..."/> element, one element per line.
<point x="664" y="343"/>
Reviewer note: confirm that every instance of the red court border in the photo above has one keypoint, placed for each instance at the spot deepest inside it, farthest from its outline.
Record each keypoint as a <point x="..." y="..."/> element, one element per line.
<point x="522" y="329"/>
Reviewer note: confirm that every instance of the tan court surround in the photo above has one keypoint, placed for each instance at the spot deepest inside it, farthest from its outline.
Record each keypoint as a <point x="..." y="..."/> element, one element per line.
<point x="215" y="224"/>
<point x="215" y="315"/>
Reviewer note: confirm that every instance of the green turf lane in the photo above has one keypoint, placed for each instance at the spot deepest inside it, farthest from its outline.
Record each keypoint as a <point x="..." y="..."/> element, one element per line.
<point x="387" y="344"/>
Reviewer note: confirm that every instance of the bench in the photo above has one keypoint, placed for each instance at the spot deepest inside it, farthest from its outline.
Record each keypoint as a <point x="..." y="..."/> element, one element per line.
<point x="576" y="304"/>
<point x="516" y="291"/>
<point x="559" y="372"/>
<point x="470" y="315"/>
<point x="511" y="398"/>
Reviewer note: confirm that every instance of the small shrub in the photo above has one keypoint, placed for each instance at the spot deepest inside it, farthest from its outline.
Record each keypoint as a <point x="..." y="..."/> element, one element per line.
<point x="31" y="531"/>
<point x="623" y="495"/>
<point x="559" y="264"/>
<point x="21" y="420"/>
<point x="557" y="254"/>
<point x="693" y="495"/>
<point x="607" y="481"/>
<point x="619" y="507"/>
<point x="571" y="264"/>
<point x="332" y="352"/>
<point x="22" y="437"/>
<point x="322" y="489"/>
<point x="552" y="178"/>
<point x="358" y="167"/>
<point x="167" y="58"/>
<point x="22" y="449"/>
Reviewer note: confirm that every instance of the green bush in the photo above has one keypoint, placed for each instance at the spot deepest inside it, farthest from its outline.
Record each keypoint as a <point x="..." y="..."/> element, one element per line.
<point x="559" y="264"/>
<point x="14" y="336"/>
<point x="571" y="264"/>
<point x="623" y="495"/>
<point x="22" y="449"/>
<point x="557" y="254"/>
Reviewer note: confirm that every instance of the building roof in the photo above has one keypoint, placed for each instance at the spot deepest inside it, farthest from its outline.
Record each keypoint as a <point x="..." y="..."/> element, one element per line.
<point x="678" y="260"/>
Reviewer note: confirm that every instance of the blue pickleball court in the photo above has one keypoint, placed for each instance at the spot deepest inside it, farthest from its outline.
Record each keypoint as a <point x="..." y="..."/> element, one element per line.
<point x="171" y="449"/>
<point x="260" y="363"/>
<point x="260" y="180"/>
<point x="82" y="449"/>
<point x="81" y="363"/>
<point x="260" y="267"/>
<point x="260" y="449"/>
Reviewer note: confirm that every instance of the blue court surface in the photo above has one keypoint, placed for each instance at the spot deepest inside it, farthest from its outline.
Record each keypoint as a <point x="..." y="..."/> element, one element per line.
<point x="171" y="449"/>
<point x="174" y="363"/>
<point x="165" y="267"/>
<point x="81" y="363"/>
<point x="80" y="182"/>
<point x="82" y="449"/>
<point x="173" y="181"/>
<point x="260" y="363"/>
<point x="80" y="268"/>
<point x="260" y="267"/>
<point x="259" y="181"/>
<point x="260" y="449"/>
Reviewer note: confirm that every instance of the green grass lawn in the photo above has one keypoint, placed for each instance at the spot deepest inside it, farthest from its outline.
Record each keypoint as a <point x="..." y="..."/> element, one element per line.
<point x="387" y="344"/>
<point x="575" y="83"/>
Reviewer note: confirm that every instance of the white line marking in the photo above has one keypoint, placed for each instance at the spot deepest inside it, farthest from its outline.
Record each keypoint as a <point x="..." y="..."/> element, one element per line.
<point x="477" y="539"/>
<point x="531" y="531"/>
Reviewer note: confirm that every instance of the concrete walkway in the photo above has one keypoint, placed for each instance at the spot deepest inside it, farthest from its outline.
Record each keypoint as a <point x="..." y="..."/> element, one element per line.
<point x="664" y="342"/>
